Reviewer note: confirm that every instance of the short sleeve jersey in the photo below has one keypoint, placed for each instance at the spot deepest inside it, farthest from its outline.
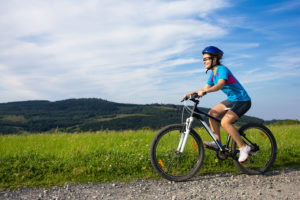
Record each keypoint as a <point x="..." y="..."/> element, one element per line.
<point x="232" y="88"/>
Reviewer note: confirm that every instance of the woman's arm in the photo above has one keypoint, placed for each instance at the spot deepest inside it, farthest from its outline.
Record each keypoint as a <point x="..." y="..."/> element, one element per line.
<point x="216" y="87"/>
<point x="206" y="87"/>
<point x="209" y="88"/>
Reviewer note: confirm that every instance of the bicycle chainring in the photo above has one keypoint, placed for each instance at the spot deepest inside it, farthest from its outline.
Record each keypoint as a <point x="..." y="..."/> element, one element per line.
<point x="221" y="155"/>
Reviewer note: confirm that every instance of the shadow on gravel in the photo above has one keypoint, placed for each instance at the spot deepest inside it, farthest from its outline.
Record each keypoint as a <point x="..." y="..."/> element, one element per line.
<point x="278" y="172"/>
<point x="229" y="175"/>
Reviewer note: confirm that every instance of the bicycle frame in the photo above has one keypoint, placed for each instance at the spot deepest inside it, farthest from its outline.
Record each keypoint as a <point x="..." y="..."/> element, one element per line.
<point x="177" y="157"/>
<point x="196" y="114"/>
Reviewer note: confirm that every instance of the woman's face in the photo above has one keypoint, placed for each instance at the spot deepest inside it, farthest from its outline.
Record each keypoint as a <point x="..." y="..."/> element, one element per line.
<point x="207" y="60"/>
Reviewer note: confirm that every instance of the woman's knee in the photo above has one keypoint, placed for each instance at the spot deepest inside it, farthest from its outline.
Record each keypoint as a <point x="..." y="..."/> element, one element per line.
<point x="229" y="119"/>
<point x="225" y="122"/>
<point x="218" y="110"/>
<point x="214" y="113"/>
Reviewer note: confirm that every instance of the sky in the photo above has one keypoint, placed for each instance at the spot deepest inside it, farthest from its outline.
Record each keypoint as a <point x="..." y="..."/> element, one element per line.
<point x="149" y="51"/>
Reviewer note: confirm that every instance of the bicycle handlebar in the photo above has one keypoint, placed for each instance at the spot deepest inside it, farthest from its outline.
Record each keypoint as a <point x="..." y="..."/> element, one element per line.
<point x="190" y="97"/>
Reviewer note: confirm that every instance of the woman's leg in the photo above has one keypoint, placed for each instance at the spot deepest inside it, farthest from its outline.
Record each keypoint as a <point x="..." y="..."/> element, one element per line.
<point x="216" y="111"/>
<point x="227" y="123"/>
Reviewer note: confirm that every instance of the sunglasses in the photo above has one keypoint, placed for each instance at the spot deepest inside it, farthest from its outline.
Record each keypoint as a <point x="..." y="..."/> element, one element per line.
<point x="207" y="58"/>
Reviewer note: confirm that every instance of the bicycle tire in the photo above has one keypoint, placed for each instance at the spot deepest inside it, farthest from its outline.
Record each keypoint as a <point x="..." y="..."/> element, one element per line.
<point x="262" y="156"/>
<point x="163" y="149"/>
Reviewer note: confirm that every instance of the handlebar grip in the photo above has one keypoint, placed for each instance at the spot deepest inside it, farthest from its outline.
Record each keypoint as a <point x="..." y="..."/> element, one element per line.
<point x="192" y="96"/>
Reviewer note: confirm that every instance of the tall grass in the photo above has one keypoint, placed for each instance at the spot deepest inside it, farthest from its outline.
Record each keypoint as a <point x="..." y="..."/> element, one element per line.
<point x="55" y="159"/>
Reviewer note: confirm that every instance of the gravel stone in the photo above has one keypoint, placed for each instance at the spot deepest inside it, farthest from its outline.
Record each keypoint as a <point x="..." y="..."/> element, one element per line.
<point x="273" y="185"/>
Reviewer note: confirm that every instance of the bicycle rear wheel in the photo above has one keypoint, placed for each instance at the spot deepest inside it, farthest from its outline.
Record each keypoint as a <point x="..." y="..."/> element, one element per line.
<point x="168" y="162"/>
<point x="263" y="149"/>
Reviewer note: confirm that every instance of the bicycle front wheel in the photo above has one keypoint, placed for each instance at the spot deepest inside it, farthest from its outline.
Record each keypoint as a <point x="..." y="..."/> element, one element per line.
<point x="170" y="163"/>
<point x="263" y="149"/>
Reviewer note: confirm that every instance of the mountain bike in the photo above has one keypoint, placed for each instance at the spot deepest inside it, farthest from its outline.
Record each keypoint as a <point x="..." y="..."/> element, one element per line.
<point x="177" y="151"/>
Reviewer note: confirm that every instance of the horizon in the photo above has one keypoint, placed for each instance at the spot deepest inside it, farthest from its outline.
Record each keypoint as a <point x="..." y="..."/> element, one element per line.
<point x="144" y="52"/>
<point x="130" y="103"/>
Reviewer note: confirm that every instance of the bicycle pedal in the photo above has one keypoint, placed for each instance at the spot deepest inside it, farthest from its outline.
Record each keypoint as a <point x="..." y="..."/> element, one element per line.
<point x="245" y="163"/>
<point x="253" y="153"/>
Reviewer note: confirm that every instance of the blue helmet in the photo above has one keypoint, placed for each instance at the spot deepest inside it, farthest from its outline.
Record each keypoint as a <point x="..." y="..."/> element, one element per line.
<point x="214" y="51"/>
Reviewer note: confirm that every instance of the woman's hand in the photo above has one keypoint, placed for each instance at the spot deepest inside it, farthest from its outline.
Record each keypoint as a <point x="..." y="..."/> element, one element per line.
<point x="186" y="96"/>
<point x="201" y="93"/>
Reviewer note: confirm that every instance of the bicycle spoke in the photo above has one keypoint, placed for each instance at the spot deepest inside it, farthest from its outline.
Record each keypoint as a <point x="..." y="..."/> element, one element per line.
<point x="175" y="165"/>
<point x="170" y="163"/>
<point x="263" y="149"/>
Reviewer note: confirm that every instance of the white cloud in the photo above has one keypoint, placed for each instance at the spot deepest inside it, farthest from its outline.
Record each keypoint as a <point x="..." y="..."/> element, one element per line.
<point x="281" y="66"/>
<point x="61" y="49"/>
<point x="285" y="6"/>
<point x="258" y="76"/>
<point x="284" y="65"/>
<point x="287" y="59"/>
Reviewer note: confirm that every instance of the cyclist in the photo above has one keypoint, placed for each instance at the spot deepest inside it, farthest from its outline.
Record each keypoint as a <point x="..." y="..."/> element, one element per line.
<point x="237" y="104"/>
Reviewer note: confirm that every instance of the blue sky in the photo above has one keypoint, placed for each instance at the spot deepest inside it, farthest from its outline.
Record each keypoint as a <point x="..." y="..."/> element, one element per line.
<point x="149" y="51"/>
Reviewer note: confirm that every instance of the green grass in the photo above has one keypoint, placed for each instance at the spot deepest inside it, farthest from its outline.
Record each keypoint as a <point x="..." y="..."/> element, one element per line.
<point x="45" y="160"/>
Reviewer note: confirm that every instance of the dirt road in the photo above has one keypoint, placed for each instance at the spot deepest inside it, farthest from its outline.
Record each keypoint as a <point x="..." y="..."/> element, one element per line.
<point x="283" y="184"/>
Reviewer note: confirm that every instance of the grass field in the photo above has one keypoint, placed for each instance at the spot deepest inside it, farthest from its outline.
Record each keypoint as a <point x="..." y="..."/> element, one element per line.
<point x="44" y="160"/>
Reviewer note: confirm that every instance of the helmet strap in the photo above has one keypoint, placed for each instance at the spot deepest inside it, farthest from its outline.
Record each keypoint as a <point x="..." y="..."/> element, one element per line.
<point x="211" y="66"/>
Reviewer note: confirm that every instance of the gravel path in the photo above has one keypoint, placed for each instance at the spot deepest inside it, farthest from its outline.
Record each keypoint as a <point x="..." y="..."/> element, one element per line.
<point x="283" y="184"/>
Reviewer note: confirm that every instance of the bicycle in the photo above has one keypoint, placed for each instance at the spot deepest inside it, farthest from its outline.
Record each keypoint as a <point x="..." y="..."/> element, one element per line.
<point x="177" y="151"/>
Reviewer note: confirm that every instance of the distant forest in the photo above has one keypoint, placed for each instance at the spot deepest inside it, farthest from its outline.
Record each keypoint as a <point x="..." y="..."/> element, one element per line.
<point x="90" y="114"/>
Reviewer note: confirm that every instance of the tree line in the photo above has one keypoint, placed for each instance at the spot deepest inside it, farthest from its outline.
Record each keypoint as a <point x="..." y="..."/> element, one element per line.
<point x="88" y="114"/>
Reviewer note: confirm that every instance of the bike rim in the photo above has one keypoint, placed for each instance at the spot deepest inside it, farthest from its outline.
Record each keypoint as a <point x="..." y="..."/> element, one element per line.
<point x="171" y="162"/>
<point x="262" y="150"/>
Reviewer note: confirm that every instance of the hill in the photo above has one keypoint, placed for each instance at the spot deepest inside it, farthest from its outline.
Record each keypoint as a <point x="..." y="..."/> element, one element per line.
<point x="88" y="114"/>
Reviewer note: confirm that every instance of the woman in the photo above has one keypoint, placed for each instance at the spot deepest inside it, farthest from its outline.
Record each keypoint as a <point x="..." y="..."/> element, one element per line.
<point x="237" y="104"/>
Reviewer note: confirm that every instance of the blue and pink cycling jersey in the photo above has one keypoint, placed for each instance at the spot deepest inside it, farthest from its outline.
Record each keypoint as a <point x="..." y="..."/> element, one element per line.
<point x="232" y="88"/>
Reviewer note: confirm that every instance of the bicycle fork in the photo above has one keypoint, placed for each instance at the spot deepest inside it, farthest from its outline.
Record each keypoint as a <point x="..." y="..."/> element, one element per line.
<point x="185" y="134"/>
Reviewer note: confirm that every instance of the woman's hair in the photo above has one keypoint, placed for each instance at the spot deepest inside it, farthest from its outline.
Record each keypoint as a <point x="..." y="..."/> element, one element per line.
<point x="219" y="58"/>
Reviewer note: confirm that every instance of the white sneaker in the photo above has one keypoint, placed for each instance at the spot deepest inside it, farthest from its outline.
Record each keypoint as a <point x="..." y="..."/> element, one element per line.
<point x="244" y="152"/>
<point x="210" y="144"/>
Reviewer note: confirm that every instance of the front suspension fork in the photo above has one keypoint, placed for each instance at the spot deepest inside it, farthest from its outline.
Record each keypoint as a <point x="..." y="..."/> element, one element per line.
<point x="185" y="134"/>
